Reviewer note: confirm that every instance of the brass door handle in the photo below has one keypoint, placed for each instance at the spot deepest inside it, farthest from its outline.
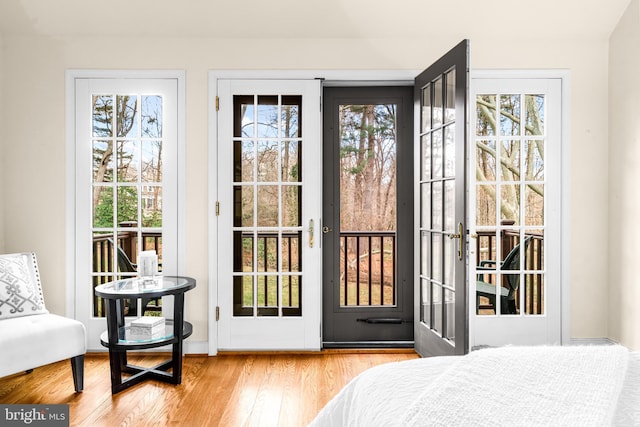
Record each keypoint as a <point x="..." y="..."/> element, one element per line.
<point x="311" y="233"/>
<point x="459" y="235"/>
<point x="326" y="230"/>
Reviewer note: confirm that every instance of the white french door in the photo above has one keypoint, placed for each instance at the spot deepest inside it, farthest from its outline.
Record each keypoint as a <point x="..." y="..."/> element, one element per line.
<point x="516" y="194"/>
<point x="269" y="205"/>
<point x="125" y="176"/>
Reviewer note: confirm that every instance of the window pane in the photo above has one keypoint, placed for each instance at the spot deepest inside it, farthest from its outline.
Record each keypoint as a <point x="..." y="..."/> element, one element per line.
<point x="128" y="161"/>
<point x="534" y="114"/>
<point x="486" y="205"/>
<point x="152" y="116"/>
<point x="243" y="113"/>
<point x="243" y="161"/>
<point x="437" y="103"/>
<point x="291" y="252"/>
<point x="127" y="204"/>
<point x="510" y="115"/>
<point x="267" y="161"/>
<point x="243" y="206"/>
<point x="425" y="302"/>
<point x="510" y="203"/>
<point x="103" y="207"/>
<point x="151" y="161"/>
<point x="268" y="205"/>
<point x="486" y="160"/>
<point x="450" y="150"/>
<point x="436" y="307"/>
<point x="267" y="116"/>
<point x="267" y="252"/>
<point x="243" y="252"/>
<point x="534" y="160"/>
<point x="102" y="117"/>
<point x="450" y="99"/>
<point x="425" y="158"/>
<point x="243" y="296"/>
<point x="436" y="153"/>
<point x="291" y="206"/>
<point x="127" y="116"/>
<point x="426" y="108"/>
<point x="291" y="161"/>
<point x="152" y="206"/>
<point x="534" y="204"/>
<point x="291" y="110"/>
<point x="510" y="160"/>
<point x="450" y="314"/>
<point x="103" y="161"/>
<point x="486" y="108"/>
<point x="534" y="294"/>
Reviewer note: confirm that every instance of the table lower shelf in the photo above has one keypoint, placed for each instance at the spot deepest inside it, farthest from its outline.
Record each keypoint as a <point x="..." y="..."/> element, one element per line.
<point x="125" y="341"/>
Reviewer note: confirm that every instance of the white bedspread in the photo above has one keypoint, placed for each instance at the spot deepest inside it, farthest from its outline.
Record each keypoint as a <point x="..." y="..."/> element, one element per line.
<point x="510" y="386"/>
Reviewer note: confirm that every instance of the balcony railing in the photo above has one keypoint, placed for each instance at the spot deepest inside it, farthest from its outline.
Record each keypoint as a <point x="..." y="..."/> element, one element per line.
<point x="367" y="268"/>
<point x="533" y="285"/>
<point x="109" y="265"/>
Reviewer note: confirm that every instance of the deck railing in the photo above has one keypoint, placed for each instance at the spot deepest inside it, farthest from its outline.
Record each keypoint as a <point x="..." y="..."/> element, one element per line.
<point x="532" y="286"/>
<point x="368" y="268"/>
<point x="105" y="258"/>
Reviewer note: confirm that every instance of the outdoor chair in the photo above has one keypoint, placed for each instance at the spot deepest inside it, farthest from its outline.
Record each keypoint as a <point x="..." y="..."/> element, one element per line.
<point x="507" y="294"/>
<point x="126" y="266"/>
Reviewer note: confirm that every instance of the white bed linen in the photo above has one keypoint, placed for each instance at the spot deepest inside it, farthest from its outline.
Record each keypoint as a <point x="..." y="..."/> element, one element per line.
<point x="400" y="394"/>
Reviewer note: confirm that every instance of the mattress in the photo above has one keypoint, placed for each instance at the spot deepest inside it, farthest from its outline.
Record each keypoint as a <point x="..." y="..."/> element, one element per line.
<point x="512" y="386"/>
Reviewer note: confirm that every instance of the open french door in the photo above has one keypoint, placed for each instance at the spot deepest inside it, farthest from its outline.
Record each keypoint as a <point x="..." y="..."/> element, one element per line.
<point x="441" y="314"/>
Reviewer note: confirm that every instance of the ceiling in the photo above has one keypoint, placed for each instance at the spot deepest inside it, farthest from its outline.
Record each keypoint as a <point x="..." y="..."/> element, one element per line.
<point x="594" y="19"/>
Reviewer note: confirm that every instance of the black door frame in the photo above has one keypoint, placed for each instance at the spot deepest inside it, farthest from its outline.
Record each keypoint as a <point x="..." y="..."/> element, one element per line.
<point x="341" y="327"/>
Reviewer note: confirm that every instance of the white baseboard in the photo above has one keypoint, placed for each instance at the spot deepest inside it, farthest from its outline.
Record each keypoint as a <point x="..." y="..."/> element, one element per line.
<point x="196" y="347"/>
<point x="591" y="341"/>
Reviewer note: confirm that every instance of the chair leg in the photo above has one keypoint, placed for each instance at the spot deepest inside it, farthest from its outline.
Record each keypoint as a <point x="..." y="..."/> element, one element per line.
<point x="77" y="368"/>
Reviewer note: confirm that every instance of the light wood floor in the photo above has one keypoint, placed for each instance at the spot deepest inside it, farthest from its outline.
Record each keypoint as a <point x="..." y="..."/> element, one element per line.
<point x="226" y="390"/>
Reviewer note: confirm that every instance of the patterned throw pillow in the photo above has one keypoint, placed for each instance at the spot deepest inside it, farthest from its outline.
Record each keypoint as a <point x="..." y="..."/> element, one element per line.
<point x="20" y="291"/>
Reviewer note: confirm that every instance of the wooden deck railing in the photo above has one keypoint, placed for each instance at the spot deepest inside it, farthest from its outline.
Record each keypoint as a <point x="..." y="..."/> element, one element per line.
<point x="105" y="258"/>
<point x="532" y="286"/>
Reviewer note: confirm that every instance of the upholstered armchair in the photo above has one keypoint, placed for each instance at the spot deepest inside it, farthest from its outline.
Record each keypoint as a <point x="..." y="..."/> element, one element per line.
<point x="30" y="336"/>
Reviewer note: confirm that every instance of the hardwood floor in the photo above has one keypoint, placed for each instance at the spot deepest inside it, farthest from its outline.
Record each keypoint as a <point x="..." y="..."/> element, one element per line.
<point x="273" y="389"/>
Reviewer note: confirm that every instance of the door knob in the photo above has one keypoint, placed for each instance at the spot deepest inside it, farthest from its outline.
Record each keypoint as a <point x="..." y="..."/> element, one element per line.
<point x="326" y="229"/>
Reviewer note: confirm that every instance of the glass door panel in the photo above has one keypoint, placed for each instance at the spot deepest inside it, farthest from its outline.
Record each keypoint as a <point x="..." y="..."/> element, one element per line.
<point x="267" y="181"/>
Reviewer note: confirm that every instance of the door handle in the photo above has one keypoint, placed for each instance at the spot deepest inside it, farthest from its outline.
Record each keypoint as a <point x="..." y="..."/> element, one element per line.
<point x="459" y="235"/>
<point x="311" y="233"/>
<point x="326" y="230"/>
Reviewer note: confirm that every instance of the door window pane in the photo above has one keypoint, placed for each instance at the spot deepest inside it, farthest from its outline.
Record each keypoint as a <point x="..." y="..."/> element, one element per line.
<point x="511" y="266"/>
<point x="267" y="153"/>
<point x="128" y="186"/>
<point x="368" y="138"/>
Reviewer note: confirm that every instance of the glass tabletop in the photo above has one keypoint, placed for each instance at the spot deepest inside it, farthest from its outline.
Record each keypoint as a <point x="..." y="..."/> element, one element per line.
<point x="144" y="285"/>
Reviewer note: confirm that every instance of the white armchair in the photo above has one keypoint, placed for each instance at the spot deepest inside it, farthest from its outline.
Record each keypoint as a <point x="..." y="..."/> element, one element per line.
<point x="30" y="336"/>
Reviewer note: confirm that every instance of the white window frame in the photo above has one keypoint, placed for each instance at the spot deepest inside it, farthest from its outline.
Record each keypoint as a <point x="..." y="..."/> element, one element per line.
<point x="565" y="196"/>
<point x="70" y="162"/>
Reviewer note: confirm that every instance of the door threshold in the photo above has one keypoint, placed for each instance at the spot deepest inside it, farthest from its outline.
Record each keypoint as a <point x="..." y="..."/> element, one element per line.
<point x="367" y="344"/>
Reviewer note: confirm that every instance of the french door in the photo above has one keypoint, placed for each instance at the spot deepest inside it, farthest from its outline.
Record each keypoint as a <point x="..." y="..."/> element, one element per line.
<point x="441" y="319"/>
<point x="269" y="214"/>
<point x="126" y="188"/>
<point x="516" y="248"/>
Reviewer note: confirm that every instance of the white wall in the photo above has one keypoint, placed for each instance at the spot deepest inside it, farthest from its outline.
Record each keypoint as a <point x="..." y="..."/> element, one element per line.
<point x="624" y="179"/>
<point x="3" y="202"/>
<point x="35" y="69"/>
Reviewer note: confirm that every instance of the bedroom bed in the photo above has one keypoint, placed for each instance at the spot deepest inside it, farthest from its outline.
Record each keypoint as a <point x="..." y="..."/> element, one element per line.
<point x="508" y="386"/>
